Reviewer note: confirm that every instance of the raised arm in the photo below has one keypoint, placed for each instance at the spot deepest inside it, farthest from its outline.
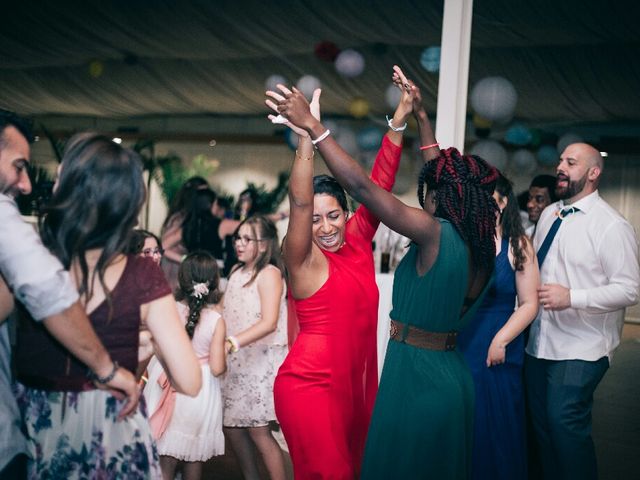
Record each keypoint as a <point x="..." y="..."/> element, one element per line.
<point x="429" y="147"/>
<point x="412" y="222"/>
<point x="306" y="265"/>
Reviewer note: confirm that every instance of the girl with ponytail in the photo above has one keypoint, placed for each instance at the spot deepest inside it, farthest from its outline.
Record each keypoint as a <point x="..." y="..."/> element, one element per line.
<point x="188" y="430"/>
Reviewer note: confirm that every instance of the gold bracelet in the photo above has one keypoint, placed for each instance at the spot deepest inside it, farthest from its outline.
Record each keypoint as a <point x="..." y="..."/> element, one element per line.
<point x="305" y="158"/>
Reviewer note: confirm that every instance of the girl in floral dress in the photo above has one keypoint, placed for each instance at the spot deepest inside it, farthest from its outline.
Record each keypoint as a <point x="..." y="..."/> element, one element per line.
<point x="189" y="429"/>
<point x="255" y="312"/>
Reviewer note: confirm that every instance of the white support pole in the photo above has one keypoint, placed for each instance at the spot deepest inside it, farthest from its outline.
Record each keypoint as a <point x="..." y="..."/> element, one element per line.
<point x="454" y="73"/>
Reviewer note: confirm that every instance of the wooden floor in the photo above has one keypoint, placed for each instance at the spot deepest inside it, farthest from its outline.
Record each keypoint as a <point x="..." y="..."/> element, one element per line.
<point x="616" y="420"/>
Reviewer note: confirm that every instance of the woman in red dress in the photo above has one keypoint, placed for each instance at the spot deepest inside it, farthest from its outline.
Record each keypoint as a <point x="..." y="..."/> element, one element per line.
<point x="325" y="389"/>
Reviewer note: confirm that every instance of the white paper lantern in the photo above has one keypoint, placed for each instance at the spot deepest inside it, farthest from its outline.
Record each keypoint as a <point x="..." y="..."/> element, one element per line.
<point x="307" y="85"/>
<point x="523" y="161"/>
<point x="492" y="152"/>
<point x="494" y="98"/>
<point x="349" y="63"/>
<point x="392" y="96"/>
<point x="273" y="80"/>
<point x="567" y="139"/>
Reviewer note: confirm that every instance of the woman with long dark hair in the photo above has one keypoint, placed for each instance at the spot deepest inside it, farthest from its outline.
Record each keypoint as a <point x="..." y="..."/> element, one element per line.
<point x="71" y="425"/>
<point x="422" y="420"/>
<point x="493" y="346"/>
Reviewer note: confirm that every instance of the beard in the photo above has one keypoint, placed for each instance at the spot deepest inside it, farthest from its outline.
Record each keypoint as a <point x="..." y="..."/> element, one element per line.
<point x="572" y="188"/>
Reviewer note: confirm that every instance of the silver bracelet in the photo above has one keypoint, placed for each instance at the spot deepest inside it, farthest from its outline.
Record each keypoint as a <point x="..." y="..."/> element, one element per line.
<point x="395" y="129"/>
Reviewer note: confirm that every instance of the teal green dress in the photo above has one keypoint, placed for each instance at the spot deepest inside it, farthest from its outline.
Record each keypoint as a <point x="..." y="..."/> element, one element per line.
<point x="422" y="424"/>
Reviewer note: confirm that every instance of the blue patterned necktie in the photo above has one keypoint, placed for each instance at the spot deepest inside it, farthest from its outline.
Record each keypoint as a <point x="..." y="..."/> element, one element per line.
<point x="546" y="243"/>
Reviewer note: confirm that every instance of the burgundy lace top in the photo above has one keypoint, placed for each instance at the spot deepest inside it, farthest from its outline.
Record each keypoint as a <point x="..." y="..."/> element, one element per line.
<point x="41" y="362"/>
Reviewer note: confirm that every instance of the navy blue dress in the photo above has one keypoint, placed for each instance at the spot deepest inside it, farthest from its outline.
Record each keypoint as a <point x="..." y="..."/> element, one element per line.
<point x="499" y="445"/>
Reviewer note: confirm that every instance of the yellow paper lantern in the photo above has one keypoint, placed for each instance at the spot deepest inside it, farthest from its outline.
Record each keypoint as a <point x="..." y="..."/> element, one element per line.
<point x="359" y="107"/>
<point x="480" y="122"/>
<point x="96" y="67"/>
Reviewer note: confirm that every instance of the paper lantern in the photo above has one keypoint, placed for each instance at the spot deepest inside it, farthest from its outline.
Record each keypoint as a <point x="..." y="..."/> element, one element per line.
<point x="494" y="98"/>
<point x="567" y="139"/>
<point x="536" y="137"/>
<point x="359" y="107"/>
<point x="349" y="63"/>
<point x="518" y="135"/>
<point x="523" y="161"/>
<point x="430" y="59"/>
<point x="548" y="155"/>
<point x="273" y="80"/>
<point x="96" y="68"/>
<point x="492" y="152"/>
<point x="480" y="122"/>
<point x="326" y="51"/>
<point x="347" y="140"/>
<point x="369" y="138"/>
<point x="392" y="96"/>
<point x="307" y="85"/>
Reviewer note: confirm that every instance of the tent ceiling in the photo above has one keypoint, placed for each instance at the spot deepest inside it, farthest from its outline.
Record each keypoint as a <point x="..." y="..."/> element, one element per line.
<point x="570" y="61"/>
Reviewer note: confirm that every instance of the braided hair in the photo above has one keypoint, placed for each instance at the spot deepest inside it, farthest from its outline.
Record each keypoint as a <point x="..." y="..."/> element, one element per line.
<point x="464" y="186"/>
<point x="198" y="280"/>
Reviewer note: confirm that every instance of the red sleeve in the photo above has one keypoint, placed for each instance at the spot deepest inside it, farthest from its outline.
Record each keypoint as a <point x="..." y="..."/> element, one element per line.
<point x="383" y="174"/>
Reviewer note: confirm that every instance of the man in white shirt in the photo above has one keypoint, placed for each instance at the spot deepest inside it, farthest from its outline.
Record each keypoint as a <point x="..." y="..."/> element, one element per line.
<point x="35" y="277"/>
<point x="589" y="276"/>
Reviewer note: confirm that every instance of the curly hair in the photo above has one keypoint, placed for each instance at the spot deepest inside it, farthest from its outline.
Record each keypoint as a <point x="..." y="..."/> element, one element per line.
<point x="197" y="267"/>
<point x="464" y="186"/>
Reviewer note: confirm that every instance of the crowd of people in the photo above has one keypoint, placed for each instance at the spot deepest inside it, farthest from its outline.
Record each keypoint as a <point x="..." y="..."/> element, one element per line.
<point x="501" y="330"/>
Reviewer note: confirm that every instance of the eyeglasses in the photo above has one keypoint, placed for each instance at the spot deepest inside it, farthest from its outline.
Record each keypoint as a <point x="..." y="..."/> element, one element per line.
<point x="150" y="252"/>
<point x="244" y="239"/>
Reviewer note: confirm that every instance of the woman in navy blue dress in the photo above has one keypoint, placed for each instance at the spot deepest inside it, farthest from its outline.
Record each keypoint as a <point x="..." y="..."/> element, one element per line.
<point x="493" y="346"/>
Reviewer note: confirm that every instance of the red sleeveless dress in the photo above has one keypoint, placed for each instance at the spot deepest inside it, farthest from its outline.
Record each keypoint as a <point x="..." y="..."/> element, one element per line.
<point x="326" y="387"/>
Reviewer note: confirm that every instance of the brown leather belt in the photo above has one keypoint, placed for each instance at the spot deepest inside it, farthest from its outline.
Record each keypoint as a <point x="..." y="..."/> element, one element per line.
<point x="416" y="337"/>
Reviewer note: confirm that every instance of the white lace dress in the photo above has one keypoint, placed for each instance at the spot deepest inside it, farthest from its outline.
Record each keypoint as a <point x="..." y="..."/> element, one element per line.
<point x="194" y="433"/>
<point x="247" y="388"/>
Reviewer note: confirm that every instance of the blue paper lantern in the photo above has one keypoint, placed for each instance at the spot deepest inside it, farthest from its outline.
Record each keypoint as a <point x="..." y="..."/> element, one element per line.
<point x="430" y="59"/>
<point x="518" y="135"/>
<point x="548" y="155"/>
<point x="369" y="138"/>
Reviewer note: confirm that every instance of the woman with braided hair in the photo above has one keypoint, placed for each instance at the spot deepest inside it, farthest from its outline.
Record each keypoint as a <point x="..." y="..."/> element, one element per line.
<point x="188" y="430"/>
<point x="422" y="419"/>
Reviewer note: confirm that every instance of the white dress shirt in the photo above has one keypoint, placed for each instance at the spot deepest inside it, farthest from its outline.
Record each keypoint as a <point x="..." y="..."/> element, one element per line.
<point x="595" y="255"/>
<point x="44" y="287"/>
<point x="36" y="277"/>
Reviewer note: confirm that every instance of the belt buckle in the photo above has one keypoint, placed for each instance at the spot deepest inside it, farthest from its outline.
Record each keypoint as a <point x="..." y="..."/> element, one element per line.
<point x="450" y="343"/>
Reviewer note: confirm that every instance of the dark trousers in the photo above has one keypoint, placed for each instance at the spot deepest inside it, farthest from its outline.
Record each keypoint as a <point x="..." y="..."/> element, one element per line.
<point x="16" y="469"/>
<point x="560" y="398"/>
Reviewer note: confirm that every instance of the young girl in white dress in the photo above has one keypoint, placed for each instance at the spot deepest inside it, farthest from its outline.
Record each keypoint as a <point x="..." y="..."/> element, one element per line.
<point x="256" y="314"/>
<point x="189" y="429"/>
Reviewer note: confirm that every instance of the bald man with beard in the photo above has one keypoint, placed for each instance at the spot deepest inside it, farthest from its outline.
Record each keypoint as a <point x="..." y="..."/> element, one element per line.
<point x="588" y="277"/>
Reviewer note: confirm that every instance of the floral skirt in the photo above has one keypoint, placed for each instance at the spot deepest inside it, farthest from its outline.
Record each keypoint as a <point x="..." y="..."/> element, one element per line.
<point x="248" y="385"/>
<point x="77" y="435"/>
